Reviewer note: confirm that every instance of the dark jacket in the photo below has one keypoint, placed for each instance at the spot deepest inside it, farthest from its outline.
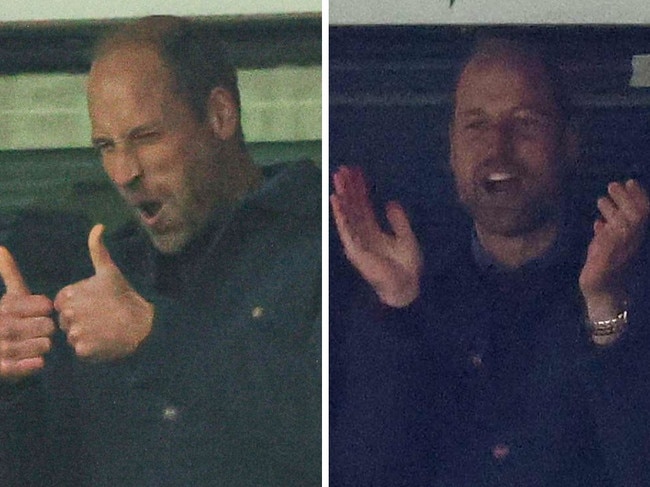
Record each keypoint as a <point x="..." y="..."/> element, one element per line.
<point x="489" y="379"/>
<point x="226" y="389"/>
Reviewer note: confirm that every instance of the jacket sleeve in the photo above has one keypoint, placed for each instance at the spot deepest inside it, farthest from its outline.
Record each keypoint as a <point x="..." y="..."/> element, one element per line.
<point x="39" y="445"/>
<point x="617" y="380"/>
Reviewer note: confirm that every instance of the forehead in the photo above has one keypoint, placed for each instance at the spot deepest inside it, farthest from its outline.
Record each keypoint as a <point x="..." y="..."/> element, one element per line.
<point x="505" y="80"/>
<point x="128" y="83"/>
<point x="128" y="71"/>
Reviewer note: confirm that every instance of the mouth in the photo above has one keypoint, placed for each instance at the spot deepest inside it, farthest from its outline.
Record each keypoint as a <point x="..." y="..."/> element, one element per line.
<point x="149" y="211"/>
<point x="500" y="182"/>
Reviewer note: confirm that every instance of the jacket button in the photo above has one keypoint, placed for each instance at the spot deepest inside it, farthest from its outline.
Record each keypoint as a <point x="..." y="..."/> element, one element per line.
<point x="476" y="360"/>
<point x="500" y="452"/>
<point x="170" y="413"/>
<point x="257" y="312"/>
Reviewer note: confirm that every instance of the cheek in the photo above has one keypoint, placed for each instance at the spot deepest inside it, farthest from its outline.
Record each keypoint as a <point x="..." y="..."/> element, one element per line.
<point x="541" y="157"/>
<point x="464" y="156"/>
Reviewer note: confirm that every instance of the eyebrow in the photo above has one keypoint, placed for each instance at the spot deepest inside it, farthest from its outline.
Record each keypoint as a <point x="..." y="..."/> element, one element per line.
<point x="139" y="129"/>
<point x="472" y="112"/>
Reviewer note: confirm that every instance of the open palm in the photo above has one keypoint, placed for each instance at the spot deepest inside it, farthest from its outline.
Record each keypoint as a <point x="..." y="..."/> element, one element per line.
<point x="390" y="262"/>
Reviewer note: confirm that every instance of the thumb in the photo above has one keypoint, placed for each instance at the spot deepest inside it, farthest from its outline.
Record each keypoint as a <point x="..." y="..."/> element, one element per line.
<point x="99" y="255"/>
<point x="10" y="274"/>
<point x="398" y="220"/>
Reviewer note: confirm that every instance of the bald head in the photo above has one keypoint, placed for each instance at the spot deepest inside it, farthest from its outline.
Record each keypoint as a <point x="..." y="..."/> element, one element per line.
<point x="196" y="60"/>
<point x="515" y="56"/>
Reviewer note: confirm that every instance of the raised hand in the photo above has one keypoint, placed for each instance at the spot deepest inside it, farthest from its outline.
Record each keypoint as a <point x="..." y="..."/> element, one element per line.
<point x="618" y="236"/>
<point x="103" y="317"/>
<point x="26" y="326"/>
<point x="390" y="262"/>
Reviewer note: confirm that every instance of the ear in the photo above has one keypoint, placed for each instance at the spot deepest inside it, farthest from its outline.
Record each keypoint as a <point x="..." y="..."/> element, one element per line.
<point x="223" y="115"/>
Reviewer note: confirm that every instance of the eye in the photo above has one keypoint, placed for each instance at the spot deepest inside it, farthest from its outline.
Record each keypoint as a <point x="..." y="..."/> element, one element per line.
<point x="531" y="123"/>
<point x="102" y="146"/>
<point x="146" y="137"/>
<point x="528" y="122"/>
<point x="475" y="124"/>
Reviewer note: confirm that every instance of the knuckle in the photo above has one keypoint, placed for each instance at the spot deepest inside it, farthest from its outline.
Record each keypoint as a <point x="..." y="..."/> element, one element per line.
<point x="5" y="332"/>
<point x="46" y="325"/>
<point x="44" y="346"/>
<point x="67" y="313"/>
<point x="6" y="367"/>
<point x="44" y="303"/>
<point x="83" y="350"/>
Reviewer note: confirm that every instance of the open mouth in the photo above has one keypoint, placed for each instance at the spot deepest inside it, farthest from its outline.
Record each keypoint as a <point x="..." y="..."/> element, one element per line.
<point x="149" y="210"/>
<point x="498" y="182"/>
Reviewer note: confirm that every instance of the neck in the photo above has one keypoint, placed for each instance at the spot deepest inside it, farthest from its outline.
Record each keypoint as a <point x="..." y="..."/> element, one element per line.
<point x="513" y="251"/>
<point x="240" y="176"/>
<point x="250" y="175"/>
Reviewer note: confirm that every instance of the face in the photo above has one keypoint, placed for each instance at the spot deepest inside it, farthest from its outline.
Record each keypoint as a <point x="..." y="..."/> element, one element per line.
<point x="507" y="146"/>
<point x="159" y="156"/>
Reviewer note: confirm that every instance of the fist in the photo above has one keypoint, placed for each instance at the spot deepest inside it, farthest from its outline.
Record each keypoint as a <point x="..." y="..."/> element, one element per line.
<point x="103" y="317"/>
<point x="26" y="326"/>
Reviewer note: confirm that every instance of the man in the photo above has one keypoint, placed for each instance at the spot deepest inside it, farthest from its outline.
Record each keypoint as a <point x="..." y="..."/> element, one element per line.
<point x="510" y="351"/>
<point x="193" y="347"/>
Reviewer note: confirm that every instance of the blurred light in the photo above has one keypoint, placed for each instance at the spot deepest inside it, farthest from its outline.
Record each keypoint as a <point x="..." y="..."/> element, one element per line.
<point x="640" y="71"/>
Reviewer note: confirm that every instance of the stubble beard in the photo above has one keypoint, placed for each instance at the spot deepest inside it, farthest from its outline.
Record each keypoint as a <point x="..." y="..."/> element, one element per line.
<point x="523" y="217"/>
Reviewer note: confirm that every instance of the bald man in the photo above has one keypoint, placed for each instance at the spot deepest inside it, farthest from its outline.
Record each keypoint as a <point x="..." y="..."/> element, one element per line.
<point x="505" y="350"/>
<point x="192" y="350"/>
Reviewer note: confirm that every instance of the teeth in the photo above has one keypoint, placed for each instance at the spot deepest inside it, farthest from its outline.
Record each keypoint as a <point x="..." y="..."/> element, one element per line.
<point x="499" y="176"/>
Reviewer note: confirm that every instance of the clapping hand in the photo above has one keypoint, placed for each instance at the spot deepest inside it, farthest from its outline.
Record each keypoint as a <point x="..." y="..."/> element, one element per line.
<point x="390" y="262"/>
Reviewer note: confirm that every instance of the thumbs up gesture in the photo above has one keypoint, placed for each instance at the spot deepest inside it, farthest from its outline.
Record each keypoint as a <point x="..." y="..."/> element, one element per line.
<point x="103" y="317"/>
<point x="26" y="326"/>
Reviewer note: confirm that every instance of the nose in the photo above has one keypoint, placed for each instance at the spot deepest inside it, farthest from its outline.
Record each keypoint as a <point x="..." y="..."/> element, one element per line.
<point x="500" y="141"/>
<point x="123" y="166"/>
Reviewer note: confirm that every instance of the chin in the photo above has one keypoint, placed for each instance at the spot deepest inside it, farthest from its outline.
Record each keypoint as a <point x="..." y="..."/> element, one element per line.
<point x="169" y="243"/>
<point x="512" y="223"/>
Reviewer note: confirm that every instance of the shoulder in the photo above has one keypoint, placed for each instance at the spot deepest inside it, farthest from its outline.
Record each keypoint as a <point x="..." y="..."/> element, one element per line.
<point x="285" y="213"/>
<point x="292" y="188"/>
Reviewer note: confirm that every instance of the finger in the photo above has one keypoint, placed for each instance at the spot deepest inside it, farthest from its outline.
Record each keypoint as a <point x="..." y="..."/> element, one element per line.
<point x="342" y="223"/>
<point x="66" y="319"/>
<point x="599" y="224"/>
<point x="361" y="212"/>
<point x="17" y="369"/>
<point x="344" y="184"/>
<point x="10" y="274"/>
<point x="639" y="196"/>
<point x="398" y="220"/>
<point x="340" y="180"/>
<point x="353" y="203"/>
<point x="26" y="349"/>
<point x="63" y="297"/>
<point x="608" y="210"/>
<point x="624" y="201"/>
<point x="25" y="306"/>
<point x="27" y="328"/>
<point x="99" y="254"/>
<point x="73" y="336"/>
<point x="359" y="191"/>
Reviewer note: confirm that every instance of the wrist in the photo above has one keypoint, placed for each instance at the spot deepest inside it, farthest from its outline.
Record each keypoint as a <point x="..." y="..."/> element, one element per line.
<point x="607" y="318"/>
<point x="605" y="306"/>
<point x="398" y="300"/>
